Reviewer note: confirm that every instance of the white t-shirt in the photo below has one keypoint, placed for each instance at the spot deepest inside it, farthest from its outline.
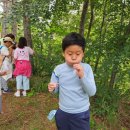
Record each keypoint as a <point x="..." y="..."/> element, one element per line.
<point x="7" y="64"/>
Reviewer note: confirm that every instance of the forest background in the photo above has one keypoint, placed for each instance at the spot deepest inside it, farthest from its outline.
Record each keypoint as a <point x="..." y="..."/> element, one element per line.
<point x="105" y="24"/>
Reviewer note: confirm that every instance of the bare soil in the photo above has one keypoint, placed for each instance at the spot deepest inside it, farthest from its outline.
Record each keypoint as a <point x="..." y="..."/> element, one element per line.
<point x="27" y="113"/>
<point x="30" y="113"/>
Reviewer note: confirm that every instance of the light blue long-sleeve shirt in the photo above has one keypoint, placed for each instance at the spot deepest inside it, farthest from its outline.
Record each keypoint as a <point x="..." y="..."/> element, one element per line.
<point x="74" y="92"/>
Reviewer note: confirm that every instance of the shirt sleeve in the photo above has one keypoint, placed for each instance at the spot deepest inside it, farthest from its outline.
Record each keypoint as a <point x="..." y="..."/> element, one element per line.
<point x="30" y="50"/>
<point x="88" y="82"/>
<point x="55" y="79"/>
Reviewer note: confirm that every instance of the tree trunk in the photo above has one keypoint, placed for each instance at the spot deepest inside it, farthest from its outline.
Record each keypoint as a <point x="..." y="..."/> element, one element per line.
<point x="91" y="19"/>
<point x="113" y="76"/>
<point x="14" y="28"/>
<point x="27" y="30"/>
<point x="6" y="7"/>
<point x="27" y="23"/>
<point x="4" y="21"/>
<point x="14" y="23"/>
<point x="83" y="17"/>
<point x="96" y="64"/>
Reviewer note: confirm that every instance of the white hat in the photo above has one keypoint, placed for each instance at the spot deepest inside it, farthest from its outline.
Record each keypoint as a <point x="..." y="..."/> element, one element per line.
<point x="8" y="39"/>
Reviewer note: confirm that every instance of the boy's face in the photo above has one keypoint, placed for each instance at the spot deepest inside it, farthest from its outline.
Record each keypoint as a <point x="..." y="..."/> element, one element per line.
<point x="73" y="54"/>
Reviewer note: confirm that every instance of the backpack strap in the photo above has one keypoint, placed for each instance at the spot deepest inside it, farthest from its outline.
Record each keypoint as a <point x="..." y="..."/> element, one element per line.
<point x="1" y="47"/>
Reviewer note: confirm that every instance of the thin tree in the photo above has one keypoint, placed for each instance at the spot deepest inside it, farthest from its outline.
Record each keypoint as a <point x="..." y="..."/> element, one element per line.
<point x="83" y="17"/>
<point x="14" y="23"/>
<point x="92" y="17"/>
<point x="4" y="20"/>
<point x="27" y="23"/>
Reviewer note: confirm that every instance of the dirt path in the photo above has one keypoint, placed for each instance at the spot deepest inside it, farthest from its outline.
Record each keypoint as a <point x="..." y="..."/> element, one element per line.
<point x="27" y="113"/>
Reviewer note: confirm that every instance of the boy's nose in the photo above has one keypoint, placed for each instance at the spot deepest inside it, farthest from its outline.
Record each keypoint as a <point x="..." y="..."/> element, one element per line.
<point x="73" y="57"/>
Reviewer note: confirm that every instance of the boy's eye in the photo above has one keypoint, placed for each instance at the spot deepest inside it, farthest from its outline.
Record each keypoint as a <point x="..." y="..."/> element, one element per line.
<point x="69" y="54"/>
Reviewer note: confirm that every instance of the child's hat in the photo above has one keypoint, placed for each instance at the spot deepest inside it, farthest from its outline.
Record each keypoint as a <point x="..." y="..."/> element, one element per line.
<point x="8" y="39"/>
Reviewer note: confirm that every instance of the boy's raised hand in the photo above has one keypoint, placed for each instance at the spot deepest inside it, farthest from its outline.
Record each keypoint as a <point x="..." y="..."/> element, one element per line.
<point x="79" y="70"/>
<point x="52" y="86"/>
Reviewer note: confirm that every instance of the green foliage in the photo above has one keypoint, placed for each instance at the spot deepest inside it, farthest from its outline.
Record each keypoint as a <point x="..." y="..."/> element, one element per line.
<point x="49" y="57"/>
<point x="38" y="84"/>
<point x="107" y="50"/>
<point x="107" y="101"/>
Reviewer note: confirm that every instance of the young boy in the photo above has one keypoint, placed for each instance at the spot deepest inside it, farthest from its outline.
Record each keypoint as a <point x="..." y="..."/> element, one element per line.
<point x="75" y="82"/>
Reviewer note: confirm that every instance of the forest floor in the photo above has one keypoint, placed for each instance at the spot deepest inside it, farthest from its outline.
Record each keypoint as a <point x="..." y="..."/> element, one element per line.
<point x="30" y="113"/>
<point x="27" y="113"/>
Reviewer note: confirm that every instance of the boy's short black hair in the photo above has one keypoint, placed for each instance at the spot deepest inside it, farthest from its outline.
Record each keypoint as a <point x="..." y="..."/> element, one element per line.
<point x="73" y="38"/>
